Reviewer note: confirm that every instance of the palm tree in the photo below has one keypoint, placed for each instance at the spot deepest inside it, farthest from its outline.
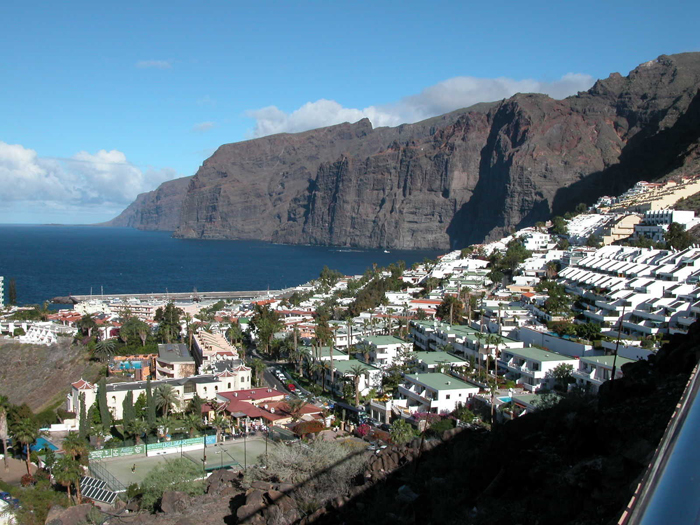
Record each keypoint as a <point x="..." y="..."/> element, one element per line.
<point x="481" y="337"/>
<point x="315" y="368"/>
<point x="104" y="349"/>
<point x="219" y="423"/>
<point x="4" y="405"/>
<point x="25" y="431"/>
<point x="136" y="428"/>
<point x="166" y="397"/>
<point x="68" y="472"/>
<point x="192" y="422"/>
<point x="259" y="367"/>
<point x="356" y="371"/>
<point x="75" y="446"/>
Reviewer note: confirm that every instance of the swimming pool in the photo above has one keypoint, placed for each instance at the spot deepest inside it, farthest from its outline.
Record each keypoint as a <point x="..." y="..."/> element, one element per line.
<point x="506" y="399"/>
<point x="41" y="444"/>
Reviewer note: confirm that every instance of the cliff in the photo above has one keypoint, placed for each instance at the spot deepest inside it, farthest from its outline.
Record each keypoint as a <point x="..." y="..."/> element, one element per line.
<point x="155" y="210"/>
<point x="452" y="180"/>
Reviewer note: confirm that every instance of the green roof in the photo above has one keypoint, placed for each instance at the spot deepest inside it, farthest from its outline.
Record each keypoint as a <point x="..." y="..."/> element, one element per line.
<point x="532" y="399"/>
<point x="325" y="351"/>
<point x="435" y="358"/>
<point x="344" y="367"/>
<point x="383" y="340"/>
<point x="538" y="354"/>
<point x="606" y="360"/>
<point x="441" y="381"/>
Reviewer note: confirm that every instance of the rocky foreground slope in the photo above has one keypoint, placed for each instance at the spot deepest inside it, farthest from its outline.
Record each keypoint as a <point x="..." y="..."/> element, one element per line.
<point x="449" y="181"/>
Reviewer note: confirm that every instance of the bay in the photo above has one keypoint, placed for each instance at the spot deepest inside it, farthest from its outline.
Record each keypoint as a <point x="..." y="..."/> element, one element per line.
<point x="50" y="261"/>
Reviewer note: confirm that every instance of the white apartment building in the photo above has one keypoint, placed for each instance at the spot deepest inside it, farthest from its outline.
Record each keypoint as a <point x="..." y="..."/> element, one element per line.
<point x="205" y="386"/>
<point x="436" y="392"/>
<point x="386" y="350"/>
<point x="532" y="366"/>
<point x="344" y="372"/>
<point x="644" y="283"/>
<point x="655" y="223"/>
<point x="595" y="370"/>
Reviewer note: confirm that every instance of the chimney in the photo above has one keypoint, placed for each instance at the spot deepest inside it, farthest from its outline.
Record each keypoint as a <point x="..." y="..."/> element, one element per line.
<point x="235" y="394"/>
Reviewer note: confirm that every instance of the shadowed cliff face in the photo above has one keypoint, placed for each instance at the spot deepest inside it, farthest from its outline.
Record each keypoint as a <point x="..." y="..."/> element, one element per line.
<point x="453" y="180"/>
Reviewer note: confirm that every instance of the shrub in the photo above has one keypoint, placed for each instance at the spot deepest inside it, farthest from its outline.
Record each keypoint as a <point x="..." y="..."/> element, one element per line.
<point x="179" y="474"/>
<point x="362" y="430"/>
<point x="308" y="427"/>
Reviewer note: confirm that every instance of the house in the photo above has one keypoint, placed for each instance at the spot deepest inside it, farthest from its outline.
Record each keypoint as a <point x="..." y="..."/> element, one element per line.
<point x="595" y="370"/>
<point x="386" y="350"/>
<point x="435" y="393"/>
<point x="204" y="386"/>
<point x="174" y="361"/>
<point x="436" y="361"/>
<point x="323" y="353"/>
<point x="137" y="367"/>
<point x="532" y="367"/>
<point x="344" y="372"/>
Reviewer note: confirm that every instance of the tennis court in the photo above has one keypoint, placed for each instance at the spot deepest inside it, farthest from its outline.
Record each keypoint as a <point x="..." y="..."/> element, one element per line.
<point x="228" y="454"/>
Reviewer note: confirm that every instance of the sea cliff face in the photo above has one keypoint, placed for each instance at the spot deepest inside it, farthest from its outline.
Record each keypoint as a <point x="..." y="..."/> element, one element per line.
<point x="452" y="180"/>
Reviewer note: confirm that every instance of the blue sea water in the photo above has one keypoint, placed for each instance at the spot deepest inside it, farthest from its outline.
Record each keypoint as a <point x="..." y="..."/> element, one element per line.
<point x="51" y="261"/>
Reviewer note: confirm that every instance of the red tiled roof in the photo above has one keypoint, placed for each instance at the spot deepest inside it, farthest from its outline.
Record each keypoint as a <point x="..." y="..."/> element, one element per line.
<point x="82" y="385"/>
<point x="252" y="394"/>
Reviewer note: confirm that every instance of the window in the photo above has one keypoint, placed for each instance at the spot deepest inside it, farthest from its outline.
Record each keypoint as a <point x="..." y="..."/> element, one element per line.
<point x="447" y="396"/>
<point x="190" y="388"/>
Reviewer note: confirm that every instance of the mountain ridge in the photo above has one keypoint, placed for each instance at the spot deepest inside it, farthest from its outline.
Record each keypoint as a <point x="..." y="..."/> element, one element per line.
<point x="448" y="181"/>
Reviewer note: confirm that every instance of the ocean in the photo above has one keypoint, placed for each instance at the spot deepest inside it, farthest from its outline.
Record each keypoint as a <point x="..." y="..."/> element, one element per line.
<point x="52" y="261"/>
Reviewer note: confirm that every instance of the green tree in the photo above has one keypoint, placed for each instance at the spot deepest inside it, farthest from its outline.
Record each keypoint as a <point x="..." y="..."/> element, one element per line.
<point x="450" y="309"/>
<point x="259" y="367"/>
<point x="104" y="349"/>
<point x="105" y="415"/>
<point x="86" y="325"/>
<point x="401" y="432"/>
<point x="75" y="447"/>
<point x="150" y="406"/>
<point x="356" y="372"/>
<point x="136" y="428"/>
<point x="178" y="474"/>
<point x="68" y="473"/>
<point x="559" y="226"/>
<point x="296" y="408"/>
<point x="83" y="425"/>
<point x="168" y="320"/>
<point x="266" y="322"/>
<point x="192" y="423"/>
<point x="219" y="423"/>
<point x="562" y="375"/>
<point x="128" y="412"/>
<point x="26" y="432"/>
<point x="134" y="332"/>
<point x="677" y="238"/>
<point x="165" y="397"/>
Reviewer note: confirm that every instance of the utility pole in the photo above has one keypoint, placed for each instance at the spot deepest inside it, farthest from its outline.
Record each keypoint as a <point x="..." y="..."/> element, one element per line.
<point x="617" y="345"/>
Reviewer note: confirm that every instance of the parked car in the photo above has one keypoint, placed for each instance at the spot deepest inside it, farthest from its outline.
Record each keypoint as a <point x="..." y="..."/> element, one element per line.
<point x="291" y="387"/>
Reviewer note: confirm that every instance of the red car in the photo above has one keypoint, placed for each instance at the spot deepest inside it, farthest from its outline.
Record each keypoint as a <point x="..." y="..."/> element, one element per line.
<point x="291" y="387"/>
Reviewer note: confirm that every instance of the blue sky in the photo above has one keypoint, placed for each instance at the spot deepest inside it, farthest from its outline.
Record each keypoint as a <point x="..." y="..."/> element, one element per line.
<point x="100" y="101"/>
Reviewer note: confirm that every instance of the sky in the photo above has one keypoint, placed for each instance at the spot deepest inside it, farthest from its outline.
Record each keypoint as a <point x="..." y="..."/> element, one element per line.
<point x="100" y="101"/>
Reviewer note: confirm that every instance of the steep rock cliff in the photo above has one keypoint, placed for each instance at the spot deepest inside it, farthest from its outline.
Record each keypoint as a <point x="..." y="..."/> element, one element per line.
<point x="457" y="179"/>
<point x="155" y="210"/>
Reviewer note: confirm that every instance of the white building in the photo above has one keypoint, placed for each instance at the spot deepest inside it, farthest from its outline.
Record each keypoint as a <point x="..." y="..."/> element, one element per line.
<point x="386" y="350"/>
<point x="344" y="372"/>
<point x="594" y="371"/>
<point x="436" y="392"/>
<point x="532" y="366"/>
<point x="656" y="222"/>
<point x="205" y="386"/>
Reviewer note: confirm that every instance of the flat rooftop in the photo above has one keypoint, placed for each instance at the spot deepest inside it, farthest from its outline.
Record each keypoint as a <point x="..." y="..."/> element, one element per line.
<point x="441" y="381"/>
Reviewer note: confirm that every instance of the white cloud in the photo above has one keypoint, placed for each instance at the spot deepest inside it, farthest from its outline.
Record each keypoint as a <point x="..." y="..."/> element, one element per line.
<point x="203" y="126"/>
<point x="446" y="96"/>
<point x="154" y="64"/>
<point x="105" y="178"/>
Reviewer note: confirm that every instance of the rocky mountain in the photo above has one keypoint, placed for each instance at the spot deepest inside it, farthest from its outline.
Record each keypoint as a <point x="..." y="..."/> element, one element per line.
<point x="155" y="210"/>
<point x="449" y="181"/>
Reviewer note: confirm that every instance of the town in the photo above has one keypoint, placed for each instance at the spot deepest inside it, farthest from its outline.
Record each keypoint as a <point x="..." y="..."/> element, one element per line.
<point x="476" y="338"/>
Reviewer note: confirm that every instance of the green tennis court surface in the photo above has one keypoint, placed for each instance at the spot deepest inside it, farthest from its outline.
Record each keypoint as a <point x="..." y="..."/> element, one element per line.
<point x="229" y="454"/>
